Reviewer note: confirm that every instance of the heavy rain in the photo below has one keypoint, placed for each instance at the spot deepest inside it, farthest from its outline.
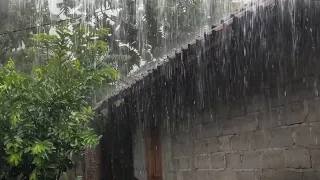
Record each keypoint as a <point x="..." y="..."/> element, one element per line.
<point x="159" y="89"/>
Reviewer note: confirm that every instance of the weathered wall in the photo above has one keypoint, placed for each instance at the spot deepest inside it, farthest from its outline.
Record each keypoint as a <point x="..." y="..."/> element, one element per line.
<point x="273" y="136"/>
<point x="92" y="163"/>
<point x="139" y="155"/>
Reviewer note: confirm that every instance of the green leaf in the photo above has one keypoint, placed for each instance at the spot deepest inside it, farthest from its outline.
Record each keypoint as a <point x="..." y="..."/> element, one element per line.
<point x="33" y="175"/>
<point x="3" y="87"/>
<point x="37" y="161"/>
<point x="10" y="65"/>
<point x="14" y="159"/>
<point x="103" y="32"/>
<point x="15" y="119"/>
<point x="26" y="150"/>
<point x="38" y="148"/>
<point x="9" y="145"/>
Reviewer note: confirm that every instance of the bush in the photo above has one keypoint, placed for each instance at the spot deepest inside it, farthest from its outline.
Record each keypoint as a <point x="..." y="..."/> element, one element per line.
<point x="45" y="114"/>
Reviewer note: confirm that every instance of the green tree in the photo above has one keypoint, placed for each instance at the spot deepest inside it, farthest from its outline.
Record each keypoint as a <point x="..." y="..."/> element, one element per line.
<point x="162" y="25"/>
<point x="45" y="115"/>
<point x="95" y="12"/>
<point x="122" y="31"/>
<point x="86" y="43"/>
<point x="153" y="31"/>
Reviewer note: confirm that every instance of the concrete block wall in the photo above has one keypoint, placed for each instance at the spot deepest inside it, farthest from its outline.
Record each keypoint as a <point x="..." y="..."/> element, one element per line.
<point x="139" y="155"/>
<point x="265" y="137"/>
<point x="92" y="163"/>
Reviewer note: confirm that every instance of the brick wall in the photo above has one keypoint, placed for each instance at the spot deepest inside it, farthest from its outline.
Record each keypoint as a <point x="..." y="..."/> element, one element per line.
<point x="272" y="136"/>
<point x="92" y="163"/>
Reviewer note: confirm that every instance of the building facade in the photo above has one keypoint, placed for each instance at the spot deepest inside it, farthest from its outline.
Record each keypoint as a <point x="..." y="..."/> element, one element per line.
<point x="240" y="103"/>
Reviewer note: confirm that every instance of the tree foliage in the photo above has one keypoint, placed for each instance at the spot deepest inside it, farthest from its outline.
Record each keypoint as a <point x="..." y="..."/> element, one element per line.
<point x="45" y="114"/>
<point x="85" y="43"/>
<point x="154" y="28"/>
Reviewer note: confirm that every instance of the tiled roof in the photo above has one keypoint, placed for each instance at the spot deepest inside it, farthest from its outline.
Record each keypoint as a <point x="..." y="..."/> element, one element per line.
<point x="145" y="78"/>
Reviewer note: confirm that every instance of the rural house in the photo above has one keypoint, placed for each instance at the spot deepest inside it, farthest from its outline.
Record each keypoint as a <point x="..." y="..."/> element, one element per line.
<point x="239" y="103"/>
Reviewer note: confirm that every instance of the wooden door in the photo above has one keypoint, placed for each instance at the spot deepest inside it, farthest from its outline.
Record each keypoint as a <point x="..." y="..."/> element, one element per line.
<point x="153" y="155"/>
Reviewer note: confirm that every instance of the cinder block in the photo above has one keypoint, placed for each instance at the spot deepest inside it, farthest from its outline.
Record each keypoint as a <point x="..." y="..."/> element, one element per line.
<point x="294" y="114"/>
<point x="207" y="117"/>
<point x="303" y="90"/>
<point x="311" y="175"/>
<point x="238" y="107"/>
<point x="314" y="111"/>
<point x="298" y="91"/>
<point x="176" y="164"/>
<point x="225" y="143"/>
<point x="246" y="175"/>
<point x="203" y="175"/>
<point x="222" y="111"/>
<point x="209" y="145"/>
<point x="184" y="164"/>
<point x="307" y="135"/>
<point x="213" y="145"/>
<point x="315" y="158"/>
<point x="228" y="127"/>
<point x="273" y="159"/>
<point x="171" y="176"/>
<point x="246" y="123"/>
<point x="297" y="158"/>
<point x="217" y="161"/>
<point x="276" y="96"/>
<point x="223" y="175"/>
<point x="186" y="149"/>
<point x="200" y="146"/>
<point x="167" y="166"/>
<point x="281" y="138"/>
<point x="279" y="175"/>
<point x="291" y="175"/>
<point x="208" y="130"/>
<point x="256" y="103"/>
<point x="251" y="160"/>
<point x="312" y="85"/>
<point x="167" y="155"/>
<point x="258" y="140"/>
<point x="176" y="150"/>
<point x="239" y="142"/>
<point x="269" y="118"/>
<point x="228" y="175"/>
<point x="233" y="160"/>
<point x="182" y="136"/>
<point x="203" y="162"/>
<point x="188" y="175"/>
